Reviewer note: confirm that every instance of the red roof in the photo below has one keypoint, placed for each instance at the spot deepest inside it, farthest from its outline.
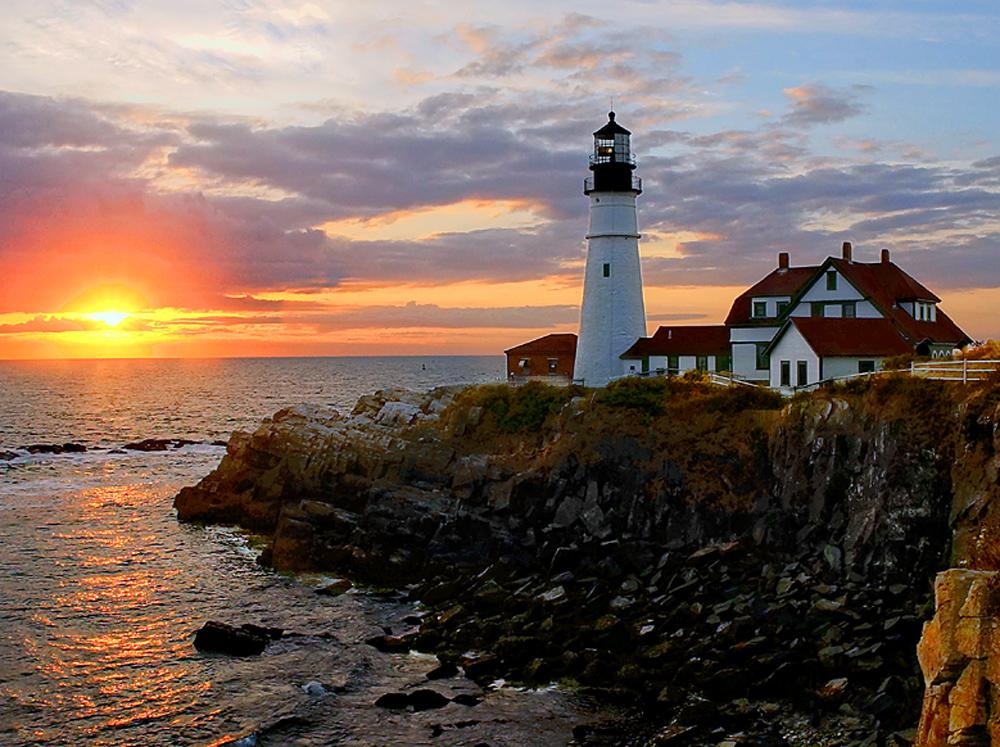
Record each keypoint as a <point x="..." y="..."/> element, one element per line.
<point x="836" y="336"/>
<point x="556" y="344"/>
<point x="781" y="282"/>
<point x="886" y="284"/>
<point x="682" y="340"/>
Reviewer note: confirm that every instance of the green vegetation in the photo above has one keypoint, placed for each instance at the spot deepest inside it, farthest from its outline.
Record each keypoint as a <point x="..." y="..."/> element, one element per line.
<point x="518" y="409"/>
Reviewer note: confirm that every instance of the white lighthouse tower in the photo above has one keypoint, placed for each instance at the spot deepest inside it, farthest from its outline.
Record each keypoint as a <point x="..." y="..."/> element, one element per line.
<point x="612" y="316"/>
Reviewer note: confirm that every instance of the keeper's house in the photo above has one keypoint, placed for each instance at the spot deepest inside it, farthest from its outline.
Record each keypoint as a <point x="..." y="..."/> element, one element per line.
<point x="800" y="325"/>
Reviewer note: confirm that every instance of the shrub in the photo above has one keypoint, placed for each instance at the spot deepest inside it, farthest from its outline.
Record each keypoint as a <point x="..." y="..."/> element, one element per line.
<point x="987" y="350"/>
<point x="522" y="408"/>
<point x="736" y="398"/>
<point x="644" y="395"/>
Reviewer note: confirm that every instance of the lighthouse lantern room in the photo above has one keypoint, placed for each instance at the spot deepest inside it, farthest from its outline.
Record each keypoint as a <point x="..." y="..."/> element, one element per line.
<point x="612" y="315"/>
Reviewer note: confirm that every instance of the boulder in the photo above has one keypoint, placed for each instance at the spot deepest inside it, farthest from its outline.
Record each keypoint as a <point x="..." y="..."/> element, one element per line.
<point x="248" y="640"/>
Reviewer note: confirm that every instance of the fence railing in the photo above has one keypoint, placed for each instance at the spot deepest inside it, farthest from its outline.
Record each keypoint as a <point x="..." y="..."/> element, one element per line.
<point x="963" y="370"/>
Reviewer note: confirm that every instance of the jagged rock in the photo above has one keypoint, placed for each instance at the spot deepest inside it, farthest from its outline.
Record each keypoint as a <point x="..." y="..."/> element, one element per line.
<point x="781" y="550"/>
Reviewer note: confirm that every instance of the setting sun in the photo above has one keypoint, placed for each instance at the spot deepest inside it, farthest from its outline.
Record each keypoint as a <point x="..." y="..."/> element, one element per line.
<point x="111" y="318"/>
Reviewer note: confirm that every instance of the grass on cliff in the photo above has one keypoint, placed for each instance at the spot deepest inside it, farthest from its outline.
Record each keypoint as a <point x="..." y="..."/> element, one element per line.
<point x="520" y="409"/>
<point x="523" y="410"/>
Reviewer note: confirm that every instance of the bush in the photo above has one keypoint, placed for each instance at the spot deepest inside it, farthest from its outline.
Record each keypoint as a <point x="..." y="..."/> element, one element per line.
<point x="647" y="396"/>
<point x="739" y="398"/>
<point x="987" y="350"/>
<point x="519" y="409"/>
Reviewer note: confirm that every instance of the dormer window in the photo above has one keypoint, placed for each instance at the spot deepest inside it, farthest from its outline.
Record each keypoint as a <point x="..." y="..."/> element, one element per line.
<point x="759" y="309"/>
<point x="925" y="311"/>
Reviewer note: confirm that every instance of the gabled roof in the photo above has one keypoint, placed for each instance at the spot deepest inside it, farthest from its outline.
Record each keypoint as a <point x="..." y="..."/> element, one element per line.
<point x="837" y="336"/>
<point x="555" y="344"/>
<point x="682" y="340"/>
<point x="780" y="282"/>
<point x="887" y="285"/>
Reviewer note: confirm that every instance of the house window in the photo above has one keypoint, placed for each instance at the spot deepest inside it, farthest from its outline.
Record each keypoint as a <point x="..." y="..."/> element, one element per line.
<point x="553" y="365"/>
<point x="817" y="308"/>
<point x="786" y="373"/>
<point x="724" y="362"/>
<point x="524" y="362"/>
<point x="782" y="307"/>
<point x="673" y="365"/>
<point x="759" y="309"/>
<point x="645" y="364"/>
<point x="763" y="359"/>
<point x="849" y="309"/>
<point x="702" y="363"/>
<point x="831" y="280"/>
<point x="801" y="373"/>
<point x="866" y="366"/>
<point x="607" y="270"/>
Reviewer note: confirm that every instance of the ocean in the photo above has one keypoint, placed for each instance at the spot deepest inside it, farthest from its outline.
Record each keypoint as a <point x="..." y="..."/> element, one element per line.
<point x="101" y="589"/>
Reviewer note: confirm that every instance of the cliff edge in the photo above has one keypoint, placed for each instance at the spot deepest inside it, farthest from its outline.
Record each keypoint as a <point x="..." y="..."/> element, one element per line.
<point x="736" y="563"/>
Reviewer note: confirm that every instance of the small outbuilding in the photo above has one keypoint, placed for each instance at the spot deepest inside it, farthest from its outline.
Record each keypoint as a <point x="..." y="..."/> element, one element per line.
<point x="550" y="357"/>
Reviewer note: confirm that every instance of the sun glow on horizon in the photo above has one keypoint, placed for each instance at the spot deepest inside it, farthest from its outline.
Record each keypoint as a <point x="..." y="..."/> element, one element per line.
<point x="110" y="318"/>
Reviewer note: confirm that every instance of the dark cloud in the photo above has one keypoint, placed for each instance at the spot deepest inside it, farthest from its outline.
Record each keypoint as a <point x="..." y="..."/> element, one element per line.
<point x="71" y="168"/>
<point x="816" y="104"/>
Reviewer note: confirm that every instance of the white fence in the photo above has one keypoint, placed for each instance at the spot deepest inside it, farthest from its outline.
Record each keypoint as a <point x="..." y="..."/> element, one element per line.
<point x="961" y="370"/>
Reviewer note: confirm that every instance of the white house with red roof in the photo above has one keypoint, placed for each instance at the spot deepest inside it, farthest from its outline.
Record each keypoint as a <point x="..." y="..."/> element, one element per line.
<point x="801" y="325"/>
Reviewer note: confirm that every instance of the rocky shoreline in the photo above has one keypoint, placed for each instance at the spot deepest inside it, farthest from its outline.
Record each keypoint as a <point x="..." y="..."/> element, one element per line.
<point x="740" y="569"/>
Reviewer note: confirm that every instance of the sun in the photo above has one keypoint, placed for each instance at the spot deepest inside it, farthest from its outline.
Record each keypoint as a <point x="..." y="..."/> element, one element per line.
<point x="111" y="318"/>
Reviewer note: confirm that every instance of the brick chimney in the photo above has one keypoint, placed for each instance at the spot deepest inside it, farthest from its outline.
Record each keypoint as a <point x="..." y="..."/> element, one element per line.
<point x="885" y="256"/>
<point x="847" y="251"/>
<point x="782" y="260"/>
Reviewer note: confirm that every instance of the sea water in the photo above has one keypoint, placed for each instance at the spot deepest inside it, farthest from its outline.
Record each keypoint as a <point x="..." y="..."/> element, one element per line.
<point x="101" y="589"/>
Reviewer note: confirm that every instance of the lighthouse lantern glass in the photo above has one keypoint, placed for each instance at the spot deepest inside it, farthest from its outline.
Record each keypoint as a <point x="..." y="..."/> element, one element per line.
<point x="604" y="149"/>
<point x="622" y="152"/>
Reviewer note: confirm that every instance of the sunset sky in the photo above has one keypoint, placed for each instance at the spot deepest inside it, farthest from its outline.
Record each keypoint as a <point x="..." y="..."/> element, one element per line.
<point x="256" y="177"/>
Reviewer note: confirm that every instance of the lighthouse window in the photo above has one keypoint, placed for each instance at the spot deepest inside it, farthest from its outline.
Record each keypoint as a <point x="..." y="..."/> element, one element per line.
<point x="607" y="270"/>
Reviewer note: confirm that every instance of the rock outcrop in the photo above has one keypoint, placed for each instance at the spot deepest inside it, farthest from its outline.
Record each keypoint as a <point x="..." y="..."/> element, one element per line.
<point x="672" y="541"/>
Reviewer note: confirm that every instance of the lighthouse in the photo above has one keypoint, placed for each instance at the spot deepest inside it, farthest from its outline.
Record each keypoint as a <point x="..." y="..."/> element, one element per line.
<point x="612" y="316"/>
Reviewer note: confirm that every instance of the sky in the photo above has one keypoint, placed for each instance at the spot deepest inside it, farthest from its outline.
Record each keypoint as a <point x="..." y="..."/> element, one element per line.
<point x="256" y="177"/>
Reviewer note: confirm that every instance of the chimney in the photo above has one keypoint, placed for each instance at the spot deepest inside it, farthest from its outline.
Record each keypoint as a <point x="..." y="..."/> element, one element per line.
<point x="782" y="260"/>
<point x="847" y="251"/>
<point x="885" y="256"/>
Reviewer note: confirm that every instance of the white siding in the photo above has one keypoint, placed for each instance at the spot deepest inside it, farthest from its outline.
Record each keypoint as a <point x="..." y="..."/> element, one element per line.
<point x="612" y="316"/>
<point x="771" y="305"/>
<point x="863" y="309"/>
<point x="792" y="347"/>
<point x="744" y="354"/>
<point x="847" y="365"/>
<point x="753" y="334"/>
<point x="684" y="363"/>
<point x="844" y="292"/>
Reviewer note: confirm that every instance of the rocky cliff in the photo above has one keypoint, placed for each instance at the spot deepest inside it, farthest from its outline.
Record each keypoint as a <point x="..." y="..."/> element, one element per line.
<point x="743" y="564"/>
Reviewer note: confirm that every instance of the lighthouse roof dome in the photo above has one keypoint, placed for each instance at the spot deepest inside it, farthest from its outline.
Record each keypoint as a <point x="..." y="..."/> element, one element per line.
<point x="611" y="129"/>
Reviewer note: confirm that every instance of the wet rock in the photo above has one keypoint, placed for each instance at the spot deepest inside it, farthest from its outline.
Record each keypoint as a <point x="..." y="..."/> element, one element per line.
<point x="314" y="689"/>
<point x="335" y="588"/>
<point x="159" y="444"/>
<point x="443" y="671"/>
<point x="393" y="701"/>
<point x="221" y="638"/>
<point x="426" y="700"/>
<point x="67" y="448"/>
